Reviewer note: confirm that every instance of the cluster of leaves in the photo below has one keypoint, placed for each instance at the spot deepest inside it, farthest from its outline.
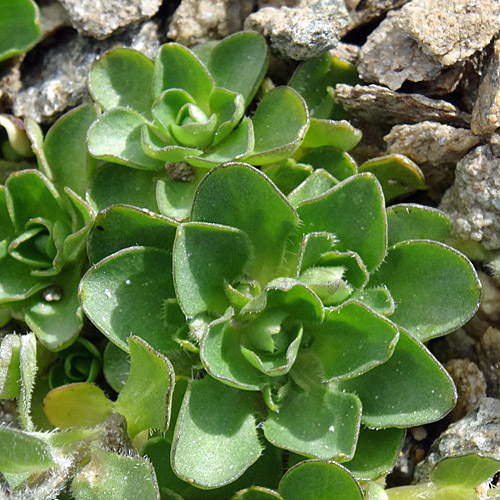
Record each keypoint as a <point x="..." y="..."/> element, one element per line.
<point x="282" y="305"/>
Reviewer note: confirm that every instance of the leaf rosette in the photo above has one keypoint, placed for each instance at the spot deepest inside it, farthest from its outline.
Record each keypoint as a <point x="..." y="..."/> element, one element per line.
<point x="308" y="314"/>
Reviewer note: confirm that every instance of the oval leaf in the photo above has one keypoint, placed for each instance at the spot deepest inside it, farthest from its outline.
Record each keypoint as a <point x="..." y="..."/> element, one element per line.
<point x="338" y="134"/>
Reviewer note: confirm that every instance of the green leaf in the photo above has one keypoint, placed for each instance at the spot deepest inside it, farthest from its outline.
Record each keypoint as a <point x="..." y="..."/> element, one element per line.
<point x="229" y="108"/>
<point x="338" y="163"/>
<point x="287" y="175"/>
<point x="146" y="396"/>
<point x="409" y="221"/>
<point x="19" y="27"/>
<point x="466" y="471"/>
<point x="256" y="493"/>
<point x="216" y="439"/>
<point x="338" y="134"/>
<point x="206" y="257"/>
<point x="66" y="140"/>
<point x="376" y="452"/>
<point x="379" y="299"/>
<point x="131" y="280"/>
<point x="123" y="77"/>
<point x="318" y="183"/>
<point x="10" y="373"/>
<point x="167" y="106"/>
<point x="318" y="423"/>
<point x="352" y="340"/>
<point x="239" y="196"/>
<point x="109" y="476"/>
<point x="319" y="480"/>
<point x="177" y="67"/>
<point x="197" y="134"/>
<point x="28" y="366"/>
<point x="435" y="288"/>
<point x="23" y="453"/>
<point x="122" y="226"/>
<point x="220" y="352"/>
<point x="280" y="123"/>
<point x="397" y="174"/>
<point x="77" y="405"/>
<point x="113" y="185"/>
<point x="35" y="134"/>
<point x="409" y="389"/>
<point x="175" y="197"/>
<point x="430" y="490"/>
<point x="239" y="63"/>
<point x="116" y="137"/>
<point x="115" y="366"/>
<point x="354" y="212"/>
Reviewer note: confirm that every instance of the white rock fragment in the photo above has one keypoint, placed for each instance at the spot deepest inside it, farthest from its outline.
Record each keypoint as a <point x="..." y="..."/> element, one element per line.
<point x="197" y="21"/>
<point x="450" y="30"/>
<point x="473" y="202"/>
<point x="486" y="112"/>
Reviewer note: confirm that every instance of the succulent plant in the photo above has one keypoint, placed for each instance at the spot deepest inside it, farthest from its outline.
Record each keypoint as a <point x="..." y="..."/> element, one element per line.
<point x="308" y="316"/>
<point x="44" y="224"/>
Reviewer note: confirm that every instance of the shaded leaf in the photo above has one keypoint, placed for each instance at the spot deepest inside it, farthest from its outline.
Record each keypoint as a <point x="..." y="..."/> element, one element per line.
<point x="115" y="366"/>
<point x="318" y="183"/>
<point x="338" y="134"/>
<point x="28" y="367"/>
<point x="10" y="373"/>
<point x="338" y="163"/>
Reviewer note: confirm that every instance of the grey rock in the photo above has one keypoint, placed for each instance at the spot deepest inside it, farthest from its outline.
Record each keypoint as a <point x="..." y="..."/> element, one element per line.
<point x="470" y="384"/>
<point x="197" y="21"/>
<point x="380" y="105"/>
<point x="478" y="431"/>
<point x="445" y="82"/>
<point x="301" y="32"/>
<point x="451" y="30"/>
<point x="489" y="360"/>
<point x="486" y="112"/>
<point x="57" y="79"/>
<point x="390" y="57"/>
<point x="52" y="17"/>
<point x="473" y="202"/>
<point x="347" y="52"/>
<point x="434" y="147"/>
<point x="101" y="18"/>
<point x="456" y="345"/>
<point x="362" y="12"/>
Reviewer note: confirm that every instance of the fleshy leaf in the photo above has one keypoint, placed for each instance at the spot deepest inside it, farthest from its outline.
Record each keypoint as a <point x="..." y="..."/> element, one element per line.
<point x="66" y="149"/>
<point x="280" y="123"/>
<point x="409" y="221"/>
<point x="10" y="373"/>
<point x="313" y="247"/>
<point x="216" y="439"/>
<point x="239" y="63"/>
<point x="112" y="303"/>
<point x="379" y="299"/>
<point x="319" y="480"/>
<point x="167" y="105"/>
<point x="23" y="452"/>
<point x="287" y="175"/>
<point x="435" y="288"/>
<point x="195" y="134"/>
<point x="354" y="203"/>
<point x="221" y="355"/>
<point x="77" y="405"/>
<point x="116" y="137"/>
<point x="376" y="452"/>
<point x="112" y="185"/>
<point x="122" y="226"/>
<point x="123" y="77"/>
<point x="229" y="108"/>
<point x="115" y="366"/>
<point x="19" y="27"/>
<point x="318" y="183"/>
<point x="109" y="476"/>
<point x="146" y="396"/>
<point x="239" y="196"/>
<point x="411" y="388"/>
<point x="206" y="257"/>
<point x="256" y="493"/>
<point x="35" y="134"/>
<point x="397" y="174"/>
<point x="178" y="68"/>
<point x="28" y="366"/>
<point x="352" y="340"/>
<point x="317" y="423"/>
<point x="338" y="134"/>
<point x="466" y="471"/>
<point x="338" y="163"/>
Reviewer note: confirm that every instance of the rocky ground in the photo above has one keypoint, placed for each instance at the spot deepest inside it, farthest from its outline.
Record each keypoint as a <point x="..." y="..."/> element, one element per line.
<point x="432" y="92"/>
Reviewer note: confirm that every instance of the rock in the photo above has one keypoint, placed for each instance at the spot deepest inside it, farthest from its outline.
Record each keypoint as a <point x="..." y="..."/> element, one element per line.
<point x="197" y="21"/>
<point x="489" y="360"/>
<point x="301" y="32"/>
<point x="347" y="52"/>
<point x="434" y="147"/>
<point x="450" y="30"/>
<point x="456" y="345"/>
<point x="56" y="77"/>
<point x="478" y="431"/>
<point x="486" y="112"/>
<point x="376" y="104"/>
<point x="53" y="17"/>
<point x="473" y="202"/>
<point x="444" y="83"/>
<point x="100" y="19"/>
<point x="470" y="383"/>
<point x="390" y="57"/>
<point x="364" y="11"/>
